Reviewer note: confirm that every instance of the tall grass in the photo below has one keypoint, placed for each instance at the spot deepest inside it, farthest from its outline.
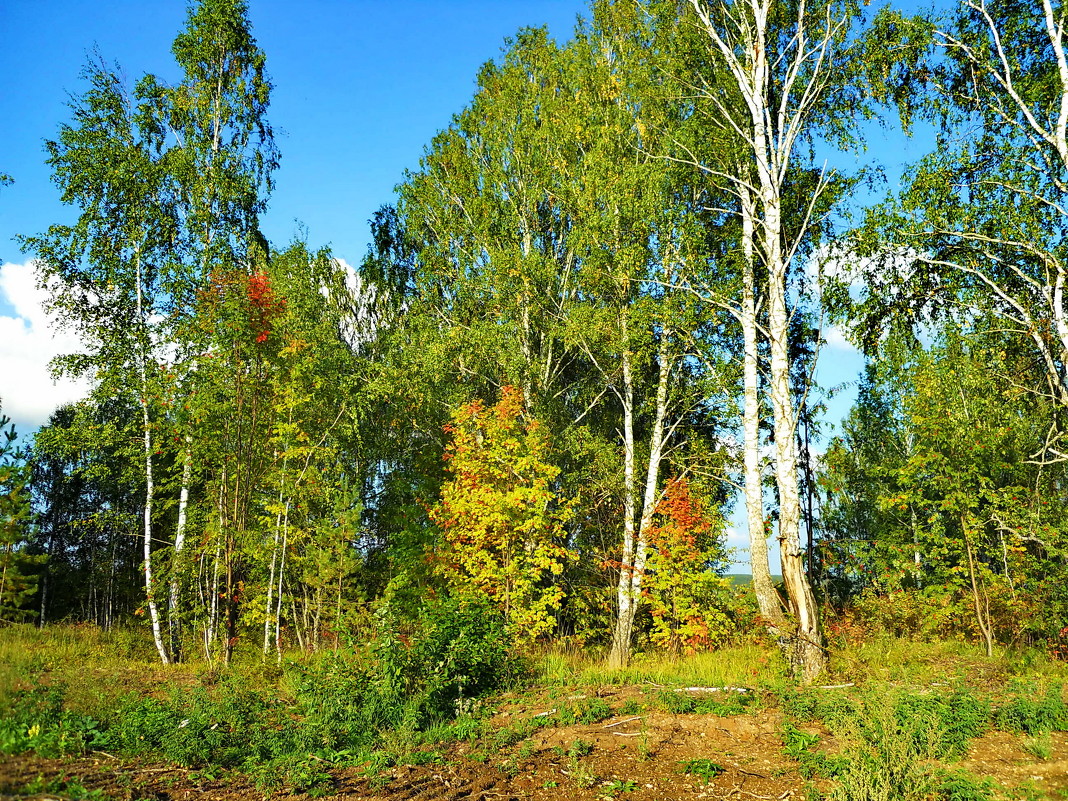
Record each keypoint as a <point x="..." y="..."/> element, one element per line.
<point x="94" y="666"/>
<point x="736" y="666"/>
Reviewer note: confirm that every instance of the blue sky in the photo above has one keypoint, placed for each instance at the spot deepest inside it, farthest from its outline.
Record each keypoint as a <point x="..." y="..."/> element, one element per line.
<point x="360" y="87"/>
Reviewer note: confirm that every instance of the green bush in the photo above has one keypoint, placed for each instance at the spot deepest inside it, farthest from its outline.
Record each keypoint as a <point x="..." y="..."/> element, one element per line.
<point x="36" y="720"/>
<point x="460" y="653"/>
<point x="1031" y="711"/>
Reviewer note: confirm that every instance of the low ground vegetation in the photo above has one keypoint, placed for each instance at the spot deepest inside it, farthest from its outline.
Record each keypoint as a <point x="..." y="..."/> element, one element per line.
<point x="443" y="710"/>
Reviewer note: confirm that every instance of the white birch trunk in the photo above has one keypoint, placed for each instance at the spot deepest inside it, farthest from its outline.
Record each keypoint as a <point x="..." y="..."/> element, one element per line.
<point x="179" y="544"/>
<point x="150" y="488"/>
<point x="636" y="543"/>
<point x="768" y="601"/>
<point x="270" y="581"/>
<point x="281" y="574"/>
<point x="619" y="654"/>
<point x="769" y="127"/>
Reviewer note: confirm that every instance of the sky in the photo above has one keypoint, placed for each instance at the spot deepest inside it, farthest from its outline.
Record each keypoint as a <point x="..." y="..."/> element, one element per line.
<point x="360" y="88"/>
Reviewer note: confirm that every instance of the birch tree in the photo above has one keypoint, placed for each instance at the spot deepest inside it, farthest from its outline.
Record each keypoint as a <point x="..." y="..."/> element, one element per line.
<point x="107" y="273"/>
<point x="169" y="182"/>
<point x="211" y="131"/>
<point x="787" y="65"/>
<point x="982" y="222"/>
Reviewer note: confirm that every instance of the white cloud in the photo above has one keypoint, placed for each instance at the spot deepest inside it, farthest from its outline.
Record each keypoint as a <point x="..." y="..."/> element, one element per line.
<point x="28" y="341"/>
<point x="835" y="340"/>
<point x="736" y="538"/>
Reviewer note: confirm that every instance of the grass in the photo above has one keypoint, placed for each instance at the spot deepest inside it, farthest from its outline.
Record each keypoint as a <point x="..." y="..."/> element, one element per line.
<point x="879" y="659"/>
<point x="906" y="661"/>
<point x="911" y="712"/>
<point x="737" y="666"/>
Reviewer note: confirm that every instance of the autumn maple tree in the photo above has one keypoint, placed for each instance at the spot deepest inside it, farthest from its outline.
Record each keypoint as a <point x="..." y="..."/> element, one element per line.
<point x="502" y="523"/>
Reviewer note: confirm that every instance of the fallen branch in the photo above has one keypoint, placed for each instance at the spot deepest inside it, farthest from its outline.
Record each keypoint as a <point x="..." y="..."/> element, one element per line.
<point x="621" y="722"/>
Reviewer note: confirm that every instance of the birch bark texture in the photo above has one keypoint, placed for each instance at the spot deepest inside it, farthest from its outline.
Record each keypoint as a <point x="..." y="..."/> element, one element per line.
<point x="779" y="61"/>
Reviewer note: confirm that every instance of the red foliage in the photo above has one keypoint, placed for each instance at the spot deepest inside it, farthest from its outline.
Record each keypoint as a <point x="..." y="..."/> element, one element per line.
<point x="263" y="305"/>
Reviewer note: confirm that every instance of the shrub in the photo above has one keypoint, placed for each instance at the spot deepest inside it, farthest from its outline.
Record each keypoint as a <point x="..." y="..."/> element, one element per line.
<point x="1032" y="712"/>
<point x="36" y="720"/>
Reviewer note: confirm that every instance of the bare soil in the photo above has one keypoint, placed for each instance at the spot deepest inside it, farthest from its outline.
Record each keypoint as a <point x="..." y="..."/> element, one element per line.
<point x="633" y="757"/>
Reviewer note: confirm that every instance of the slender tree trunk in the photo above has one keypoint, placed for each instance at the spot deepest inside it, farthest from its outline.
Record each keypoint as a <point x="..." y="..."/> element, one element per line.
<point x="45" y="578"/>
<point x="630" y="585"/>
<point x="150" y="488"/>
<point x="619" y="655"/>
<point x="296" y="621"/>
<point x="179" y="545"/>
<point x="281" y="576"/>
<point x="768" y="601"/>
<point x="982" y="612"/>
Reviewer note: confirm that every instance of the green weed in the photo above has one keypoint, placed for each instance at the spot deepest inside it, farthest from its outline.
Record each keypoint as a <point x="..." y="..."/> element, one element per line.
<point x="801" y="745"/>
<point x="724" y="704"/>
<point x="1040" y="747"/>
<point x="586" y="711"/>
<point x="579" y="748"/>
<point x="37" y="720"/>
<point x="580" y="773"/>
<point x="704" y="769"/>
<point x="1032" y="711"/>
<point x="620" y="786"/>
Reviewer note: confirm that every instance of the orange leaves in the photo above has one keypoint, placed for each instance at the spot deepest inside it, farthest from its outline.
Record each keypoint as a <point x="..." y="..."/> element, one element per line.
<point x="680" y="579"/>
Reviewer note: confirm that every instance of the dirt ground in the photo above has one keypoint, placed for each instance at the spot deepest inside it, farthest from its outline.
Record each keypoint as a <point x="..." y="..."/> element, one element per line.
<point x="640" y="757"/>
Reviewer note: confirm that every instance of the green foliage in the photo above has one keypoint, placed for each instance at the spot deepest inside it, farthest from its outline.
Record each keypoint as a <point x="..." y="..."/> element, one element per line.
<point x="1040" y="747"/>
<point x="588" y="711"/>
<point x="801" y="745"/>
<point x="889" y="751"/>
<point x="704" y="769"/>
<point x="581" y="773"/>
<point x="959" y="785"/>
<point x="940" y="521"/>
<point x="686" y="596"/>
<point x="726" y="703"/>
<point x="18" y="582"/>
<point x="340" y="709"/>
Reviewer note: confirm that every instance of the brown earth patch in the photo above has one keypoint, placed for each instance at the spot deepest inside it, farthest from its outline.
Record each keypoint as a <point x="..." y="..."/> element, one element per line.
<point x="1004" y="758"/>
<point x="638" y="757"/>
